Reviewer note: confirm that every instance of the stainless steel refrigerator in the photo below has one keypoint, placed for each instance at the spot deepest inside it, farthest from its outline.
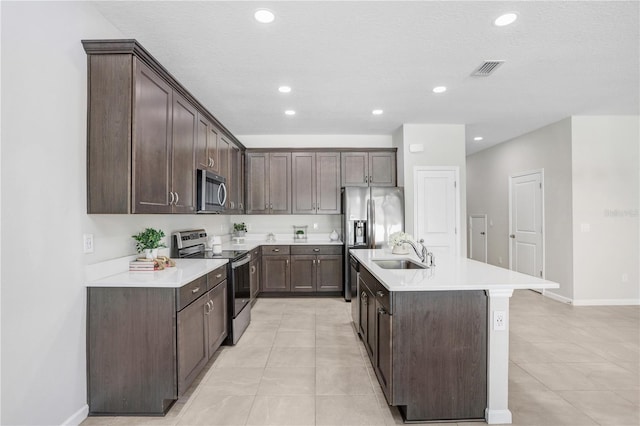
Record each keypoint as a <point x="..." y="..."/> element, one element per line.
<point x="370" y="215"/>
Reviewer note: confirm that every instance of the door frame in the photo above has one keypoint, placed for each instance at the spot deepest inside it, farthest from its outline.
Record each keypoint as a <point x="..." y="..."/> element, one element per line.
<point x="544" y="248"/>
<point x="456" y="171"/>
<point x="486" y="236"/>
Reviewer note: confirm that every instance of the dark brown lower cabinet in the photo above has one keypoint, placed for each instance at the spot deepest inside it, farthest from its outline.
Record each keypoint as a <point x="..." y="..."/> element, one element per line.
<point x="275" y="273"/>
<point x="428" y="349"/>
<point x="316" y="268"/>
<point x="145" y="346"/>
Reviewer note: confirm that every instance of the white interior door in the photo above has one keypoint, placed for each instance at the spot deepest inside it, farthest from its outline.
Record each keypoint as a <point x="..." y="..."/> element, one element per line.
<point x="526" y="224"/>
<point x="436" y="209"/>
<point x="478" y="237"/>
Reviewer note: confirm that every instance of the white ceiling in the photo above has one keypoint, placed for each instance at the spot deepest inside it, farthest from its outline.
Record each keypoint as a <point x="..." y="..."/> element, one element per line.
<point x="344" y="59"/>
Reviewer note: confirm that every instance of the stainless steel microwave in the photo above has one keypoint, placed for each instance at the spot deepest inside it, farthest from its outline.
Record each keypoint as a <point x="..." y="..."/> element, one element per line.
<point x="212" y="192"/>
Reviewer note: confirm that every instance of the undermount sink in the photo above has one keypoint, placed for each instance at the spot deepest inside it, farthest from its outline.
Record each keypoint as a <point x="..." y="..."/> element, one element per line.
<point x="399" y="264"/>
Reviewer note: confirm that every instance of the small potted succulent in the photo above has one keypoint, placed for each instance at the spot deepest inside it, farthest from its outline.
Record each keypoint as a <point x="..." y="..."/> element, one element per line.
<point x="239" y="229"/>
<point x="149" y="241"/>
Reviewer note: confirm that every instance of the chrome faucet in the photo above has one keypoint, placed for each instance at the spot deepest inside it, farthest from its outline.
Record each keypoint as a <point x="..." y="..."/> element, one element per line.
<point x="422" y="254"/>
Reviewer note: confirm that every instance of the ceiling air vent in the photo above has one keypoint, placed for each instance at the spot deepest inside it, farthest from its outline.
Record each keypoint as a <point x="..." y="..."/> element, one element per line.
<point x="486" y="68"/>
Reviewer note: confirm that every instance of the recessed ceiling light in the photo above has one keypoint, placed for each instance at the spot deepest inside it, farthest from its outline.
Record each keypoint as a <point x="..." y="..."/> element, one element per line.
<point x="290" y="112"/>
<point x="264" y="16"/>
<point x="284" y="89"/>
<point x="377" y="112"/>
<point x="478" y="138"/>
<point x="439" y="89"/>
<point x="506" y="19"/>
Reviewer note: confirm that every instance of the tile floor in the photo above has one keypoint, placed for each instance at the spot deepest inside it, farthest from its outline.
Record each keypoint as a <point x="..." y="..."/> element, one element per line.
<point x="300" y="363"/>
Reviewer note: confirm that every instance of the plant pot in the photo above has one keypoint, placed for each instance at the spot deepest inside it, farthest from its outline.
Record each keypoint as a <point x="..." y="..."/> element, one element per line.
<point x="240" y="233"/>
<point x="151" y="253"/>
<point x="400" y="249"/>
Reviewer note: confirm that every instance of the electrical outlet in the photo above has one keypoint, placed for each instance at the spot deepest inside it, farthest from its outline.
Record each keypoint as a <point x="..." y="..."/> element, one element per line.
<point x="87" y="243"/>
<point x="315" y="226"/>
<point x="625" y="278"/>
<point x="499" y="320"/>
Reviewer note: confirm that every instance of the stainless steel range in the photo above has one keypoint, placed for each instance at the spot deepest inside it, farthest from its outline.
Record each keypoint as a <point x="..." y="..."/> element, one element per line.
<point x="191" y="245"/>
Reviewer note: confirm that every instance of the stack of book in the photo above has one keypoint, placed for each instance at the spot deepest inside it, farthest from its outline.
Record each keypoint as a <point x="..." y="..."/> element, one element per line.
<point x="144" y="265"/>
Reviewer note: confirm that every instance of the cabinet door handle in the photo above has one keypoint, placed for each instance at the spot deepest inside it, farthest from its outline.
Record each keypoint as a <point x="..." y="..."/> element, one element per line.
<point x="253" y="270"/>
<point x="370" y="179"/>
<point x="366" y="179"/>
<point x="314" y="261"/>
<point x="316" y="249"/>
<point x="233" y="205"/>
<point x="512" y="236"/>
<point x="266" y="206"/>
<point x="318" y="261"/>
<point x="212" y="306"/>
<point x="240" y="206"/>
<point x="206" y="308"/>
<point x="380" y="293"/>
<point x="287" y="260"/>
<point x="219" y="276"/>
<point x="177" y="198"/>
<point x="276" y="250"/>
<point x="271" y="206"/>
<point x="172" y="197"/>
<point x="195" y="290"/>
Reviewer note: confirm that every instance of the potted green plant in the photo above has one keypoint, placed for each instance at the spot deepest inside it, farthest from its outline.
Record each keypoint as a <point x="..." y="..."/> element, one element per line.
<point x="149" y="241"/>
<point x="239" y="229"/>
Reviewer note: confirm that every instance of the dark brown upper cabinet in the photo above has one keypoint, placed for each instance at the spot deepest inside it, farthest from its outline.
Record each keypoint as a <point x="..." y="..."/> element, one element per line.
<point x="315" y="182"/>
<point x="207" y="148"/>
<point x="268" y="182"/>
<point x="373" y="168"/>
<point x="235" y="180"/>
<point x="146" y="134"/>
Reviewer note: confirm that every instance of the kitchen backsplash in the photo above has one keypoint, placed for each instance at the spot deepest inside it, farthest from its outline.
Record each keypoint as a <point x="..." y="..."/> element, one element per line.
<point x="283" y="224"/>
<point x="112" y="233"/>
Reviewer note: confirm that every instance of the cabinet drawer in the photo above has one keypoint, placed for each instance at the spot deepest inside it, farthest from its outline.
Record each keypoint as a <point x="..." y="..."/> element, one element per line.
<point x="274" y="250"/>
<point x="382" y="295"/>
<point x="309" y="249"/>
<point x="216" y="276"/>
<point x="255" y="253"/>
<point x="190" y="292"/>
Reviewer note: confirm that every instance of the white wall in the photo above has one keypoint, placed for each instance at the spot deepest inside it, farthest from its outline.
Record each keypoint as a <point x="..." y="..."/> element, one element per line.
<point x="488" y="172"/>
<point x="43" y="206"/>
<point x="605" y="197"/>
<point x="444" y="145"/>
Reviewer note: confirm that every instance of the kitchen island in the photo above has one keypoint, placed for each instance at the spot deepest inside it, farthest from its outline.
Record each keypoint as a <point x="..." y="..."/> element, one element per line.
<point x="438" y="337"/>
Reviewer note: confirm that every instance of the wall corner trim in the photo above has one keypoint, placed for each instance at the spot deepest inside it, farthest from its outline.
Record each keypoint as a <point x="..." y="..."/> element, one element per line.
<point x="77" y="417"/>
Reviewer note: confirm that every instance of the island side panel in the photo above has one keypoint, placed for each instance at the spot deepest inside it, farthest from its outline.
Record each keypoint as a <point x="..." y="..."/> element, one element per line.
<point x="440" y="354"/>
<point x="131" y="346"/>
<point x="497" y="411"/>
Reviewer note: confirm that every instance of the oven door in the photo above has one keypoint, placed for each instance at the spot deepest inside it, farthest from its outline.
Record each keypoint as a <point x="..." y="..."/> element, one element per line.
<point x="240" y="273"/>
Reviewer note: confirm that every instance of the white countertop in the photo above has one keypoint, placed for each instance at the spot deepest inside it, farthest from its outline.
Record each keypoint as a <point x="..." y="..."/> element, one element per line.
<point x="251" y="243"/>
<point x="185" y="271"/>
<point x="450" y="273"/>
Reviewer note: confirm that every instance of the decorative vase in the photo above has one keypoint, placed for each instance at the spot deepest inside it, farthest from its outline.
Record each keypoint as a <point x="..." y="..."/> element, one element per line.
<point x="334" y="235"/>
<point x="151" y="253"/>
<point x="400" y="249"/>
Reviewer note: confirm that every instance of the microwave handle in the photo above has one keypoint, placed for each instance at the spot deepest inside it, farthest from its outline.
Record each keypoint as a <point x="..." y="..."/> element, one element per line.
<point x="222" y="188"/>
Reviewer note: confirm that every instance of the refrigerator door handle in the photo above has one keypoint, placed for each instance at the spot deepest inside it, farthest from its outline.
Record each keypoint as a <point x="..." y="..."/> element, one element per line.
<point x="373" y="224"/>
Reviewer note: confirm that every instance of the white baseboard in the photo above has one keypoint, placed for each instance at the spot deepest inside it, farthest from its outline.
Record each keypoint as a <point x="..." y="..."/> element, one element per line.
<point x="606" y="302"/>
<point x="497" y="417"/>
<point x="77" y="417"/>
<point x="557" y="297"/>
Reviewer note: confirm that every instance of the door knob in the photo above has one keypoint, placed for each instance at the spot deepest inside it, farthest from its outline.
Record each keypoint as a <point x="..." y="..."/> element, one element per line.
<point x="512" y="236"/>
<point x="482" y="233"/>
